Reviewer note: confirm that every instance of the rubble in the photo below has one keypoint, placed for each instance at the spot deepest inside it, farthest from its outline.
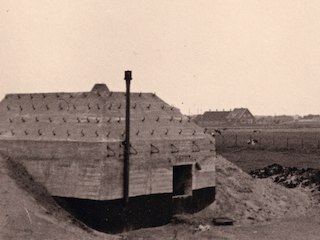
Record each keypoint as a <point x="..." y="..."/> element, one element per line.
<point x="202" y="228"/>
<point x="222" y="221"/>
<point x="290" y="177"/>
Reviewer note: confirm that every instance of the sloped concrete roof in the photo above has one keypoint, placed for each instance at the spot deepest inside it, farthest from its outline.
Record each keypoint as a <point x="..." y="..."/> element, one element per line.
<point x="98" y="115"/>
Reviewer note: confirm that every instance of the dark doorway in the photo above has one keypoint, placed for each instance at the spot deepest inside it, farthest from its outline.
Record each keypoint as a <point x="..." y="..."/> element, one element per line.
<point x="182" y="180"/>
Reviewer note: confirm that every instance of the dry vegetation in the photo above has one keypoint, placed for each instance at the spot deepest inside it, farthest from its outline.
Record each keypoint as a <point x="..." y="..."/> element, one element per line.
<point x="275" y="139"/>
<point x="287" y="147"/>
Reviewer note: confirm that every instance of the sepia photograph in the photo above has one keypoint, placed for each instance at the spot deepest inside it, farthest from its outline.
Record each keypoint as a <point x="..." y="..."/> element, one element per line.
<point x="148" y="119"/>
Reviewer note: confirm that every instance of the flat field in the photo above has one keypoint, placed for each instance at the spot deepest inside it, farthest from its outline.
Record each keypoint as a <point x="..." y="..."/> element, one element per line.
<point x="286" y="146"/>
<point x="271" y="138"/>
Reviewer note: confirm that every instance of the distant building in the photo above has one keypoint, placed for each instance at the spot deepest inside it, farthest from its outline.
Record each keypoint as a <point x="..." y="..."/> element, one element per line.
<point x="212" y="118"/>
<point x="241" y="116"/>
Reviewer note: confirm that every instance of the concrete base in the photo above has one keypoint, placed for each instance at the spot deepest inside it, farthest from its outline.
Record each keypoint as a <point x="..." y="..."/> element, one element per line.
<point x="114" y="216"/>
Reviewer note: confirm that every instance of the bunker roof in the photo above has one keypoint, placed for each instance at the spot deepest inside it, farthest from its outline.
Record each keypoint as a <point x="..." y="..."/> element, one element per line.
<point x="96" y="116"/>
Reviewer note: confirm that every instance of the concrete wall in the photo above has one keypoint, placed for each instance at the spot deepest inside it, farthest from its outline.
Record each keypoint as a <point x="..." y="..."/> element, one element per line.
<point x="88" y="170"/>
<point x="71" y="142"/>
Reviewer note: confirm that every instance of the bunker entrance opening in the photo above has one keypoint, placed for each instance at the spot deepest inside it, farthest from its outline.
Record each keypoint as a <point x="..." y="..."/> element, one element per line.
<point x="182" y="180"/>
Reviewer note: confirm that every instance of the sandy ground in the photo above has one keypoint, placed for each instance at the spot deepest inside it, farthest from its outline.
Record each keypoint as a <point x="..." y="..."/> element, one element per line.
<point x="28" y="212"/>
<point x="288" y="229"/>
<point x="262" y="210"/>
<point x="245" y="199"/>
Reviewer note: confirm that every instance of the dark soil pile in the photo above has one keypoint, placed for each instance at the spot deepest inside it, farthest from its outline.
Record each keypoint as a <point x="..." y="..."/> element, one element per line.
<point x="290" y="177"/>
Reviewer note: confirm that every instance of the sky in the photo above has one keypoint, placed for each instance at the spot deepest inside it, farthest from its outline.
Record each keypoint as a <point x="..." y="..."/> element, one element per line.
<point x="195" y="54"/>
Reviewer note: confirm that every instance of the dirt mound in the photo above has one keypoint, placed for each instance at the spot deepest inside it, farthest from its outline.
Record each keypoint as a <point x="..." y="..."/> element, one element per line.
<point x="245" y="199"/>
<point x="28" y="211"/>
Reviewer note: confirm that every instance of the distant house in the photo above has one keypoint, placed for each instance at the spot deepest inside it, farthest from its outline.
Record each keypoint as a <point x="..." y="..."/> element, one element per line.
<point x="241" y="116"/>
<point x="212" y="118"/>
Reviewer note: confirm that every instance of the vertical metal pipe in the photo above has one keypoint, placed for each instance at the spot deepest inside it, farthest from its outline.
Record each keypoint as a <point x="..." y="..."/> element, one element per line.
<point x="127" y="78"/>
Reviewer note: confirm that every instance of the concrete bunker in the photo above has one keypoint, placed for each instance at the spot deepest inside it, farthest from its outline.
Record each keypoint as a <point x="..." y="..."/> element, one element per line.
<point x="72" y="143"/>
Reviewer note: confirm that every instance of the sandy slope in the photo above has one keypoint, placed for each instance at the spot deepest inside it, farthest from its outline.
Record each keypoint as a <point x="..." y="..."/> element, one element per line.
<point x="244" y="199"/>
<point x="28" y="212"/>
